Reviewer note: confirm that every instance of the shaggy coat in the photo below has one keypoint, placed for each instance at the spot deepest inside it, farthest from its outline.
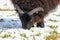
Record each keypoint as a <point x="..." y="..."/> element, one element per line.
<point x="28" y="19"/>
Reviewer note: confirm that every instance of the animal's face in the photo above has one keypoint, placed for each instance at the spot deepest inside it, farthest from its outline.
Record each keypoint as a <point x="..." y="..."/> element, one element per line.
<point x="27" y="16"/>
<point x="28" y="20"/>
<point x="25" y="19"/>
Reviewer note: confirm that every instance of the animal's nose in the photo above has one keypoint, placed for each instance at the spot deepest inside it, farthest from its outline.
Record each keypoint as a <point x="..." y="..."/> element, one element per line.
<point x="40" y="24"/>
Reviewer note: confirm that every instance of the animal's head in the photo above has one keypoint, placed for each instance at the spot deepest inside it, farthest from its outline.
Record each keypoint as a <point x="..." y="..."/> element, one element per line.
<point x="26" y="16"/>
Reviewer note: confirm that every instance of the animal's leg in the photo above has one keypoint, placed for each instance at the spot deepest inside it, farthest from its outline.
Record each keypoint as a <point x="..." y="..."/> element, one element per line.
<point x="40" y="24"/>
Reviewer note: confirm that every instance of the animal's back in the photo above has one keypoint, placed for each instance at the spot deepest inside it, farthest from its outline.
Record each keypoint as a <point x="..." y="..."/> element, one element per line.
<point x="31" y="4"/>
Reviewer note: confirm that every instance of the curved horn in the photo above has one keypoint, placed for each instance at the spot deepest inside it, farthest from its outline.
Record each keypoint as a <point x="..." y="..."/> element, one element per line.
<point x="19" y="9"/>
<point x="35" y="10"/>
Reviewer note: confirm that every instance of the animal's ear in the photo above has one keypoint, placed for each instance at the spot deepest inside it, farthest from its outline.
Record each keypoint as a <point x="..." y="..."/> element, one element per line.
<point x="35" y="10"/>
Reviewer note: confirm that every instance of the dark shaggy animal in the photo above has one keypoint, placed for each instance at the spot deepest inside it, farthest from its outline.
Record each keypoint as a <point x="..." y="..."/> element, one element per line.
<point x="33" y="11"/>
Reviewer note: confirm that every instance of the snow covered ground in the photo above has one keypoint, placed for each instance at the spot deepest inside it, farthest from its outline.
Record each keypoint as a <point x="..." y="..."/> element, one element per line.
<point x="8" y="16"/>
<point x="9" y="20"/>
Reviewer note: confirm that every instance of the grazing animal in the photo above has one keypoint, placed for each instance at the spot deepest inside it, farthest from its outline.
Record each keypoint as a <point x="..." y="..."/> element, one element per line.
<point x="34" y="11"/>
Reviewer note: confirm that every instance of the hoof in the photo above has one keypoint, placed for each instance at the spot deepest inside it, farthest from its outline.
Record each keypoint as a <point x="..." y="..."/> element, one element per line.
<point x="40" y="24"/>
